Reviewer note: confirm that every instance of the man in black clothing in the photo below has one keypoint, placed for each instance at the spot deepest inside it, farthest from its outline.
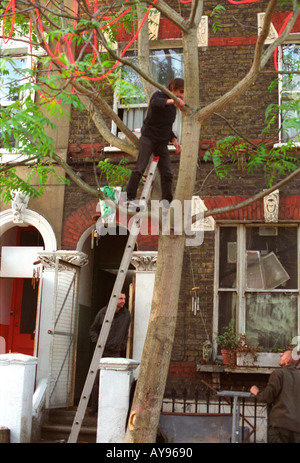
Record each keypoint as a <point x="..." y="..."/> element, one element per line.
<point x="116" y="341"/>
<point x="283" y="393"/>
<point x="156" y="135"/>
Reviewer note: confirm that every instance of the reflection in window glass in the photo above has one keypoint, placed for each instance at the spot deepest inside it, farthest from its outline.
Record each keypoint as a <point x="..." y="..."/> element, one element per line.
<point x="10" y="80"/>
<point x="228" y="257"/>
<point x="271" y="258"/>
<point x="7" y="140"/>
<point x="271" y="319"/>
<point x="166" y="65"/>
<point x="290" y="63"/>
<point x="290" y="90"/>
<point x="227" y="309"/>
<point x="263" y="296"/>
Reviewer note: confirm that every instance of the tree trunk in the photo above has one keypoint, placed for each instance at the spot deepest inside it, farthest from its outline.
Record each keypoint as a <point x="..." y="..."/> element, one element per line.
<point x="145" y="411"/>
<point x="146" y="407"/>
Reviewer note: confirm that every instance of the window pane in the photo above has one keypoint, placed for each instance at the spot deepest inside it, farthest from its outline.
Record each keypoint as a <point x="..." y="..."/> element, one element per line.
<point x="7" y="141"/>
<point x="271" y="258"/>
<point x="228" y="257"/>
<point x="132" y="95"/>
<point x="290" y="92"/>
<point x="167" y="64"/>
<point x="271" y="319"/>
<point x="291" y="62"/>
<point x="10" y="80"/>
<point x="227" y="309"/>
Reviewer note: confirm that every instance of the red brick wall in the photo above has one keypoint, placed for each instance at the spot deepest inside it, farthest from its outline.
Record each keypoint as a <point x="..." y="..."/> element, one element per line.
<point x="182" y="370"/>
<point x="77" y="223"/>
<point x="81" y="219"/>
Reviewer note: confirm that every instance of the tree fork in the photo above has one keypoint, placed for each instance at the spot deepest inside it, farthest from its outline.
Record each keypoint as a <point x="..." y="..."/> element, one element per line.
<point x="147" y="402"/>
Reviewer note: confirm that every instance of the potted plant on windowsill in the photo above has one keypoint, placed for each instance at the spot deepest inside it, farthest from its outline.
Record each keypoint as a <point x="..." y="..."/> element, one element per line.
<point x="246" y="351"/>
<point x="263" y="358"/>
<point x="228" y="343"/>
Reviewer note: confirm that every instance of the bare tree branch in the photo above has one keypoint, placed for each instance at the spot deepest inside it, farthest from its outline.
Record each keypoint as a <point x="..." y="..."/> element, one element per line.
<point x="247" y="202"/>
<point x="260" y="60"/>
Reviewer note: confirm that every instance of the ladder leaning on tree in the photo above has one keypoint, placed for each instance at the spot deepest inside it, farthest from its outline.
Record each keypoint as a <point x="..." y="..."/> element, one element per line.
<point x="110" y="311"/>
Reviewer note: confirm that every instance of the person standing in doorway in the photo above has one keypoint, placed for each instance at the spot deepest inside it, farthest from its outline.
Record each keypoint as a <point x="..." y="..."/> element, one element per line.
<point x="283" y="394"/>
<point x="116" y="341"/>
<point x="156" y="134"/>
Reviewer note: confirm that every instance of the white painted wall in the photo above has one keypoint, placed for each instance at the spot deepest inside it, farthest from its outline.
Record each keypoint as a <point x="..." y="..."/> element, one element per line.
<point x="116" y="376"/>
<point x="17" y="377"/>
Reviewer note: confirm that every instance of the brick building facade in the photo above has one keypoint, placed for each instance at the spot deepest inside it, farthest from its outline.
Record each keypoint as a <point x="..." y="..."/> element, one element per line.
<point x="68" y="263"/>
<point x="224" y="60"/>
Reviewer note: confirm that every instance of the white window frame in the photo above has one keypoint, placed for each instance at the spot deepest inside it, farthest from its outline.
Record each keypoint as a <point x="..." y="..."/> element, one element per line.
<point x="16" y="49"/>
<point x="240" y="289"/>
<point x="293" y="39"/>
<point x="280" y="87"/>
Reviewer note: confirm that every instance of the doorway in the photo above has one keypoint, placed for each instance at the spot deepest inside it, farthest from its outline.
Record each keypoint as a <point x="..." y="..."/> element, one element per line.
<point x="97" y="282"/>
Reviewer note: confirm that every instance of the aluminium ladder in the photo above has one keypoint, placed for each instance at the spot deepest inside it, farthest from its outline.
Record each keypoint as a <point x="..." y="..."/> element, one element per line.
<point x="110" y="311"/>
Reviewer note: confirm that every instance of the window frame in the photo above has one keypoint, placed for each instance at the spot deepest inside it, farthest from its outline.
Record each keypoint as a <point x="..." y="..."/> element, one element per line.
<point x="177" y="45"/>
<point x="17" y="50"/>
<point x="240" y="288"/>
<point x="294" y="40"/>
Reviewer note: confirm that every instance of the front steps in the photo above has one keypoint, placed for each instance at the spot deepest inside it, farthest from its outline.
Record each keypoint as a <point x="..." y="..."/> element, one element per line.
<point x="57" y="428"/>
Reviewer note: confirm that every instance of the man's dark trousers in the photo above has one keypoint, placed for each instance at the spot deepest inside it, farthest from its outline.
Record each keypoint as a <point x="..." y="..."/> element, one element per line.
<point x="147" y="148"/>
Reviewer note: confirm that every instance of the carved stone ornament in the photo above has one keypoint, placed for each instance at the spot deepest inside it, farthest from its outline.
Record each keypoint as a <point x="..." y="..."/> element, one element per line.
<point x="205" y="223"/>
<point x="202" y="33"/>
<point x="273" y="34"/>
<point x="65" y="258"/>
<point x="271" y="207"/>
<point x="153" y="24"/>
<point x="207" y="351"/>
<point x="19" y="205"/>
<point x="144" y="261"/>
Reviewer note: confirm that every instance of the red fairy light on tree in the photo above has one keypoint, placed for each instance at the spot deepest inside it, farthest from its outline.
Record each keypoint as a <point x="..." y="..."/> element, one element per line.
<point x="11" y="5"/>
<point x="67" y="39"/>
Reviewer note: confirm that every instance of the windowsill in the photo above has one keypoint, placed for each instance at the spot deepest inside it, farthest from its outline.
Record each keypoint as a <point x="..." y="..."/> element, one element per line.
<point x="279" y="144"/>
<point x="114" y="149"/>
<point x="265" y="363"/>
<point x="225" y="369"/>
<point x="8" y="156"/>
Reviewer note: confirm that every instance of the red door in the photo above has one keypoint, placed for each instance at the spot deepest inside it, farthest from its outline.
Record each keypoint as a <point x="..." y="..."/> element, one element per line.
<point x="23" y="316"/>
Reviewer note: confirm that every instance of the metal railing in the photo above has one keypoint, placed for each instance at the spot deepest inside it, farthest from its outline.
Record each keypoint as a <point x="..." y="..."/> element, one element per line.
<point x="249" y="418"/>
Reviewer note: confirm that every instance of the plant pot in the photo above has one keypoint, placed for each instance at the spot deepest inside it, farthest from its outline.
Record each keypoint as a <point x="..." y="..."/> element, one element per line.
<point x="229" y="357"/>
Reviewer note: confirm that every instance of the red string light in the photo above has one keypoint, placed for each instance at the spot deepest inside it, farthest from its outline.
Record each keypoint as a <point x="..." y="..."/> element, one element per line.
<point x="69" y="37"/>
<point x="279" y="34"/>
<point x="240" y="2"/>
<point x="13" y="5"/>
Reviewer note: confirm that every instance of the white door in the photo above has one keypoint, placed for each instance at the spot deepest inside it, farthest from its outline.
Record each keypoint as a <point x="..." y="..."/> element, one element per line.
<point x="63" y="335"/>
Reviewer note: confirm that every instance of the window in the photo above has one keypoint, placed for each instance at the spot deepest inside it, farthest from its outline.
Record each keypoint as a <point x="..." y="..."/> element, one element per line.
<point x="166" y="64"/>
<point x="10" y="80"/>
<point x="9" y="91"/>
<point x="12" y="76"/>
<point x="257" y="283"/>
<point x="290" y="92"/>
